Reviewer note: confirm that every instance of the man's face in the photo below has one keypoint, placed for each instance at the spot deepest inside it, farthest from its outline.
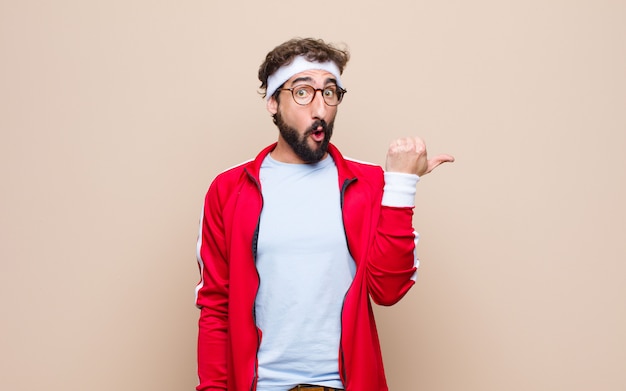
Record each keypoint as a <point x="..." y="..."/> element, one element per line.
<point x="305" y="131"/>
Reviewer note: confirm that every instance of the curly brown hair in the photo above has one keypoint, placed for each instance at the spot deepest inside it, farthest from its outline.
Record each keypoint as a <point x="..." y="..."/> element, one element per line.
<point x="312" y="49"/>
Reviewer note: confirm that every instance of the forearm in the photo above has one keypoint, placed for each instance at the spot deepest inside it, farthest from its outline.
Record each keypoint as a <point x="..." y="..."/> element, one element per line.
<point x="393" y="263"/>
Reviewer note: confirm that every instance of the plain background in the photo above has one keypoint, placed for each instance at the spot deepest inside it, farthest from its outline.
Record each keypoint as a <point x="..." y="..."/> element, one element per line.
<point x="116" y="115"/>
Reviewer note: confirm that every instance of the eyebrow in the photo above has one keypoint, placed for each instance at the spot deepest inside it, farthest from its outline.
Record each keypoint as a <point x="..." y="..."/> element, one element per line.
<point x="329" y="80"/>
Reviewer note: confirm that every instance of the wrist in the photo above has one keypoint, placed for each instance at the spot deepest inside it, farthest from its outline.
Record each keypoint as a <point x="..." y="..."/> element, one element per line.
<point x="400" y="189"/>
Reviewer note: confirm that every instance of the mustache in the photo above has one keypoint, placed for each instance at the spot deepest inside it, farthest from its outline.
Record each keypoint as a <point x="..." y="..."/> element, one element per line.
<point x="313" y="128"/>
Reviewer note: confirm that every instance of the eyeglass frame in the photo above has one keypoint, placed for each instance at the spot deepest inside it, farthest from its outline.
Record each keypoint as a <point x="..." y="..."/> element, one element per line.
<point x="339" y="89"/>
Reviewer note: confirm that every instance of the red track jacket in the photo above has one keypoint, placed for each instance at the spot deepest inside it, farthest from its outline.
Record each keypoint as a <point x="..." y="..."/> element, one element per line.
<point x="380" y="239"/>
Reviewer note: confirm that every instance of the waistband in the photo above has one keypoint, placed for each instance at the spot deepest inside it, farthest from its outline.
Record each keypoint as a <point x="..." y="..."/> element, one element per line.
<point x="311" y="387"/>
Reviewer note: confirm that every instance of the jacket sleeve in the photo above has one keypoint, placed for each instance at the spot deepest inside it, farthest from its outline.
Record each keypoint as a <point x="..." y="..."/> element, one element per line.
<point x="212" y="296"/>
<point x="392" y="266"/>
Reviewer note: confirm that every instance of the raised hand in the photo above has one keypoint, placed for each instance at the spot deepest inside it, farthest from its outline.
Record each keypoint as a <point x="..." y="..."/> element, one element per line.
<point x="408" y="155"/>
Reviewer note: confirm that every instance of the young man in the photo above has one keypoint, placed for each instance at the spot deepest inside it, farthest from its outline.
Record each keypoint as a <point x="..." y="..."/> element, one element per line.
<point x="293" y="244"/>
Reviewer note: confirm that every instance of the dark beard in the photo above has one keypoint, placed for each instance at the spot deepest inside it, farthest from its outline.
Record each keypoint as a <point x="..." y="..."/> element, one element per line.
<point x="299" y="144"/>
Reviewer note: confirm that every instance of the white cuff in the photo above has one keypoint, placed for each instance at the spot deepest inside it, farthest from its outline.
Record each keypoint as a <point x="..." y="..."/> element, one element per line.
<point x="399" y="190"/>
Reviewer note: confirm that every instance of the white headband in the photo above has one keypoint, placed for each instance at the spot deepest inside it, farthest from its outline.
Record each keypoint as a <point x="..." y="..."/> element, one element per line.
<point x="299" y="64"/>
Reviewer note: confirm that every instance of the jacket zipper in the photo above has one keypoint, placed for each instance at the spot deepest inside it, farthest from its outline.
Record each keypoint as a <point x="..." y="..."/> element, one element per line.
<point x="343" y="375"/>
<point x="255" y="239"/>
<point x="258" y="336"/>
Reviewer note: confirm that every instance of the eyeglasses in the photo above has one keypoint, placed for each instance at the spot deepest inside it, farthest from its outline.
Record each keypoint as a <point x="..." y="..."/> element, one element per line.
<point x="304" y="94"/>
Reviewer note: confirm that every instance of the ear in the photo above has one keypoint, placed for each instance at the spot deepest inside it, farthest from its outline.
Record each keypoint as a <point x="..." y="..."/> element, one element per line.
<point x="272" y="106"/>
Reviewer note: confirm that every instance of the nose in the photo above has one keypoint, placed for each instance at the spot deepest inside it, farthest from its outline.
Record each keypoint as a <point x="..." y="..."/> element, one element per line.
<point x="318" y="106"/>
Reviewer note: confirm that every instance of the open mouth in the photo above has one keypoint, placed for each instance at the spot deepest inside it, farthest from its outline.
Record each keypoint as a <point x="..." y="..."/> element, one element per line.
<point x="318" y="135"/>
<point x="318" y="131"/>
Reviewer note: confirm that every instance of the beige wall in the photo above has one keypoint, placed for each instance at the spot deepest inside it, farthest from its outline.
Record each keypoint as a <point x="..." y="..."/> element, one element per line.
<point x="115" y="116"/>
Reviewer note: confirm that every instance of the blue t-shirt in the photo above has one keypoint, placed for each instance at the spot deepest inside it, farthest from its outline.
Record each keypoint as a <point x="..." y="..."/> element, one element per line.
<point x="305" y="270"/>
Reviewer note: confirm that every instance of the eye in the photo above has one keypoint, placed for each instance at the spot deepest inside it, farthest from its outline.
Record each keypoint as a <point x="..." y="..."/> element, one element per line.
<point x="301" y="92"/>
<point x="330" y="92"/>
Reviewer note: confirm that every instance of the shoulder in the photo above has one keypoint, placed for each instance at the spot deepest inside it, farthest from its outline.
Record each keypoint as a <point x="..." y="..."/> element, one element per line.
<point x="248" y="168"/>
<point x="362" y="169"/>
<point x="230" y="177"/>
<point x="362" y="165"/>
<point x="364" y="175"/>
<point x="234" y="171"/>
